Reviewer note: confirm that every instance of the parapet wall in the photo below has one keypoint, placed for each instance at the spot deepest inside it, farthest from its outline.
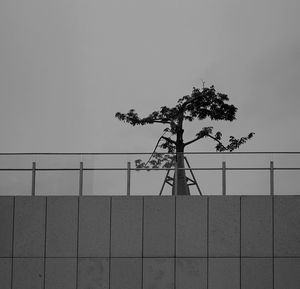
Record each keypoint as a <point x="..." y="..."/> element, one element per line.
<point x="217" y="242"/>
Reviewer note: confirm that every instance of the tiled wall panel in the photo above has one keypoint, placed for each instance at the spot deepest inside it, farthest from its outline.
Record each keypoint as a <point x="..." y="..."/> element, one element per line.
<point x="191" y="273"/>
<point x="224" y="226"/>
<point x="159" y="226"/>
<point x="62" y="217"/>
<point x="256" y="226"/>
<point x="94" y="227"/>
<point x="6" y="226"/>
<point x="158" y="273"/>
<point x="127" y="227"/>
<point x="257" y="273"/>
<point x="126" y="273"/>
<point x="191" y="226"/>
<point x="28" y="273"/>
<point x="5" y="273"/>
<point x="287" y="273"/>
<point x="224" y="273"/>
<point x="61" y="273"/>
<point x="29" y="228"/>
<point x="93" y="273"/>
<point x="287" y="226"/>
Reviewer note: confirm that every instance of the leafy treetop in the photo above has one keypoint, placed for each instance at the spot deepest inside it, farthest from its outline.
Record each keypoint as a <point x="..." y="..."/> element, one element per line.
<point x="201" y="104"/>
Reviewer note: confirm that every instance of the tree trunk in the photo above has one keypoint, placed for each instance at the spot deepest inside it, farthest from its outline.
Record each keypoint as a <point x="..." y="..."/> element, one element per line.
<point x="180" y="186"/>
<point x="180" y="182"/>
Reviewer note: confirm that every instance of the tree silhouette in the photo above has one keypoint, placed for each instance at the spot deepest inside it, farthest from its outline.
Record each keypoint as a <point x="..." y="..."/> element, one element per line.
<point x="201" y="104"/>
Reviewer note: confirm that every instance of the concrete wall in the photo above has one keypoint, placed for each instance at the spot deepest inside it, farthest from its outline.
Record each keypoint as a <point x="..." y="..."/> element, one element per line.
<point x="217" y="242"/>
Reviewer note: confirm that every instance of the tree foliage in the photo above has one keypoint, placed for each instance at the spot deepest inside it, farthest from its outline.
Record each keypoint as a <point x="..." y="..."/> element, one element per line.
<point x="201" y="104"/>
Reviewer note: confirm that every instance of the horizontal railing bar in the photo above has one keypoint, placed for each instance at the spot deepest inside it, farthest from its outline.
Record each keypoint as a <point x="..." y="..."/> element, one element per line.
<point x="148" y="153"/>
<point x="249" y="169"/>
<point x="15" y="170"/>
<point x="281" y="169"/>
<point x="152" y="169"/>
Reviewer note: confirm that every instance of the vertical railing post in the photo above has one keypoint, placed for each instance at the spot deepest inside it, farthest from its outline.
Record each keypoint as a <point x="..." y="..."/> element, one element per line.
<point x="128" y="177"/>
<point x="81" y="179"/>
<point x="176" y="175"/>
<point x="33" y="178"/>
<point x="223" y="178"/>
<point x="271" y="178"/>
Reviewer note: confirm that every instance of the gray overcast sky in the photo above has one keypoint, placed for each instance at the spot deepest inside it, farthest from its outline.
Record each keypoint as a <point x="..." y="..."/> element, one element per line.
<point x="66" y="67"/>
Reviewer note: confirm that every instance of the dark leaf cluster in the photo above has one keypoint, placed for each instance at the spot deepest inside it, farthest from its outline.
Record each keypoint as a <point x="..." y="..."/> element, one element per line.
<point x="157" y="161"/>
<point x="204" y="132"/>
<point x="201" y="104"/>
<point x="207" y="103"/>
<point x="234" y="143"/>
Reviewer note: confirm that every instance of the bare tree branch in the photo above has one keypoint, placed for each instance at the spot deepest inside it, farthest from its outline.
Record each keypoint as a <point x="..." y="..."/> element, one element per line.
<point x="207" y="135"/>
<point x="168" y="140"/>
<point x="162" y="121"/>
<point x="192" y="141"/>
<point x="218" y="141"/>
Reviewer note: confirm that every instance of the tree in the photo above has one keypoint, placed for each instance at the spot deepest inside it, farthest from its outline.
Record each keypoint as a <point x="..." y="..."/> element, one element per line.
<point x="201" y="104"/>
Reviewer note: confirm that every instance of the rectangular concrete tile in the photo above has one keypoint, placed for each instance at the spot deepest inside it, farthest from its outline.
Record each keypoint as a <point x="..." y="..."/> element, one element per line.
<point x="6" y="226"/>
<point x="60" y="273"/>
<point x="62" y="226"/>
<point x="5" y="273"/>
<point x="257" y="273"/>
<point x="94" y="226"/>
<point x="159" y="226"/>
<point x="126" y="273"/>
<point x="29" y="229"/>
<point x="224" y="226"/>
<point x="28" y="273"/>
<point x="224" y="273"/>
<point x="191" y="226"/>
<point x="93" y="273"/>
<point x="287" y="273"/>
<point x="256" y="226"/>
<point x="287" y="226"/>
<point x="126" y="230"/>
<point x="158" y="273"/>
<point x="191" y="273"/>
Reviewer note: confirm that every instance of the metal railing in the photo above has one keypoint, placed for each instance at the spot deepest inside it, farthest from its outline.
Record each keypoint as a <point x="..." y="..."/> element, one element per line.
<point x="223" y="168"/>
